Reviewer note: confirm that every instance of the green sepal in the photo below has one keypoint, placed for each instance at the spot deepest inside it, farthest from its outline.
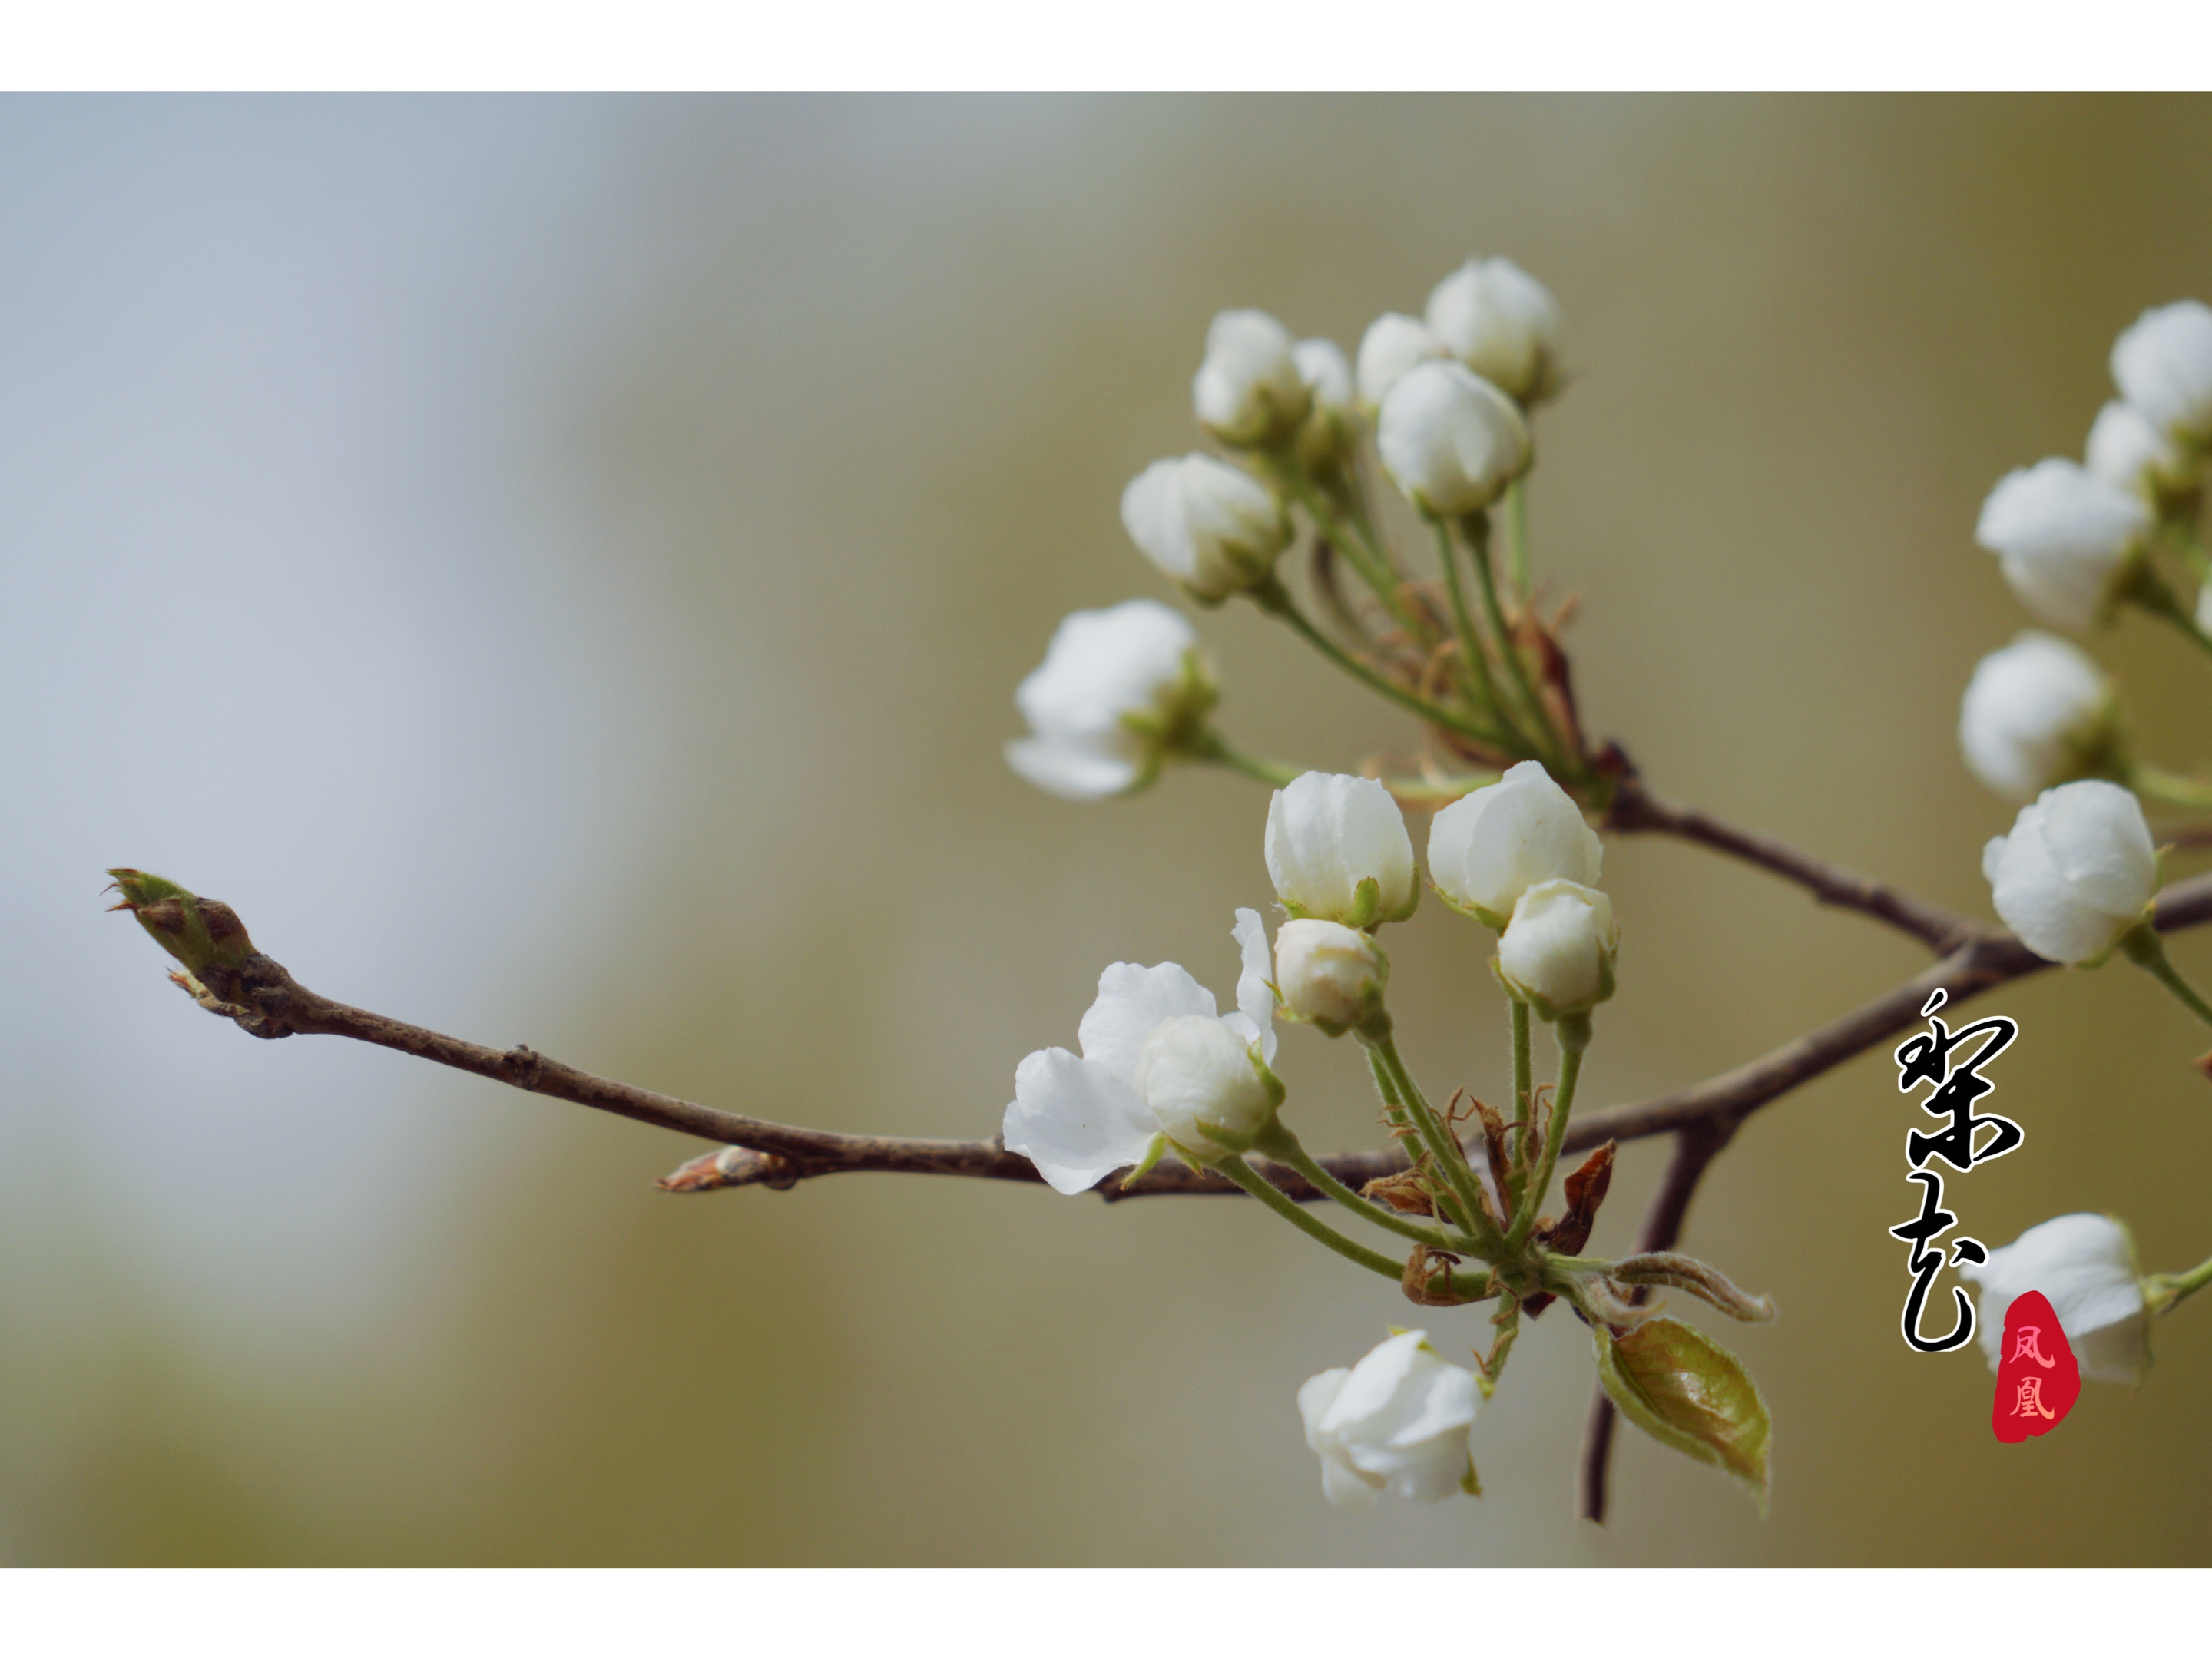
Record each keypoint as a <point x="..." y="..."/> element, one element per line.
<point x="1153" y="1154"/>
<point x="1686" y="1391"/>
<point x="1470" y="1483"/>
<point x="199" y="933"/>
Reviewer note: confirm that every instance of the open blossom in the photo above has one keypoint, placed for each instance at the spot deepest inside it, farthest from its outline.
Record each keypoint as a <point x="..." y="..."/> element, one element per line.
<point x="1396" y="1422"/>
<point x="1159" y="1066"/>
<point x="2162" y="364"/>
<point x="1557" y="949"/>
<point x="2040" y="712"/>
<point x="1394" y="343"/>
<point x="1212" y="528"/>
<point x="2076" y="872"/>
<point x="1488" y="847"/>
<point x="2085" y="1266"/>
<point x="1332" y="423"/>
<point x="1450" y="439"/>
<point x="1249" y="390"/>
<point x="2124" y="448"/>
<point x="2064" y="538"/>
<point x="1115" y="689"/>
<point x="1503" y="324"/>
<point x="1328" y="974"/>
<point x="1337" y="848"/>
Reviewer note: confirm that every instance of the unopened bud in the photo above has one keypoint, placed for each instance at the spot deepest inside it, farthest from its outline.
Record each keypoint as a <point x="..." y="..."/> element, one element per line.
<point x="1330" y="976"/>
<point x="199" y="933"/>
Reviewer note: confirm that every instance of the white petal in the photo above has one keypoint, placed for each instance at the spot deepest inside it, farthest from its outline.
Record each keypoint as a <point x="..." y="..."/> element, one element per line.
<point x="1132" y="1002"/>
<point x="1075" y="1120"/>
<point x="1346" y="1487"/>
<point x="1069" y="770"/>
<point x="1255" y="997"/>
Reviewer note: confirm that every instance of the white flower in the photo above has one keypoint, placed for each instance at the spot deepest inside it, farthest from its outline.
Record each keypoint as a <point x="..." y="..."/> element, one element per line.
<point x="2035" y="714"/>
<point x="1332" y="425"/>
<point x="2204" y="608"/>
<point x="1212" y="528"/>
<point x="2065" y="539"/>
<point x="1148" y="1072"/>
<point x="2076" y="871"/>
<point x="1450" y="439"/>
<point x="1503" y="324"/>
<point x="2162" y="364"/>
<point x="1328" y="974"/>
<point x="2085" y="1265"/>
<point x="1488" y="847"/>
<point x="1116" y="689"/>
<point x="1394" y="343"/>
<point x="1337" y="848"/>
<point x="1395" y="1422"/>
<point x="2124" y="448"/>
<point x="1249" y="390"/>
<point x="1557" y="949"/>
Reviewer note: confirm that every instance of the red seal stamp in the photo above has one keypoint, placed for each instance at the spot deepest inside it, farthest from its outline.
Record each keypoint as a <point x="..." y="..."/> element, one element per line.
<point x="2038" y="1378"/>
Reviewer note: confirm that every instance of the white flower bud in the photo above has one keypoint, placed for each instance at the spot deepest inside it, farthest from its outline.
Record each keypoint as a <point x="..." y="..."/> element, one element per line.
<point x="1396" y="1422"/>
<point x="2076" y="872"/>
<point x="1337" y="849"/>
<point x="2162" y="364"/>
<point x="1450" y="439"/>
<point x="1212" y="528"/>
<point x="2085" y="1265"/>
<point x="1118" y="689"/>
<point x="1200" y="1080"/>
<point x="2038" y="712"/>
<point x="1332" y="424"/>
<point x="1328" y="974"/>
<point x="1558" y="950"/>
<point x="2065" y="537"/>
<point x="1394" y="343"/>
<point x="2127" y="450"/>
<point x="1488" y="847"/>
<point x="1249" y="390"/>
<point x="1503" y="324"/>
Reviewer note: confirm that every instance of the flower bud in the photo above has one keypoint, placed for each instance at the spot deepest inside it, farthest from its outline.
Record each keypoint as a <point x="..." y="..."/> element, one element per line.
<point x="1337" y="849"/>
<point x="1503" y="324"/>
<point x="1212" y="528"/>
<point x="2125" y="449"/>
<point x="2162" y="364"/>
<point x="2076" y="872"/>
<point x="1332" y="423"/>
<point x="1249" y="390"/>
<point x="2085" y="1265"/>
<point x="1329" y="974"/>
<point x="1119" y="690"/>
<point x="2065" y="537"/>
<point x="1204" y="1086"/>
<point x="1450" y="439"/>
<point x="1396" y="1422"/>
<point x="204" y="934"/>
<point x="1558" y="950"/>
<point x="1490" y="847"/>
<point x="2037" y="713"/>
<point x="1394" y="343"/>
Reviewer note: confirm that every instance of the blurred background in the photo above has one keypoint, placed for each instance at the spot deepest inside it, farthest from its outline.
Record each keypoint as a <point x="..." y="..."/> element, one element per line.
<point x="561" y="568"/>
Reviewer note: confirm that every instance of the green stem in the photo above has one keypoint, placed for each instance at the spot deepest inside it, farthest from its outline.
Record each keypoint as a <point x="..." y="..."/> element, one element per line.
<point x="1507" y="1323"/>
<point x="2170" y="788"/>
<point x="1296" y="1213"/>
<point x="1473" y="660"/>
<point x="1516" y="536"/>
<point x="1284" y="1147"/>
<point x="2143" y="947"/>
<point x="1573" y="1032"/>
<point x="1209" y="745"/>
<point x="1523" y="1098"/>
<point x="2162" y="1290"/>
<point x="1355" y="549"/>
<point x="1444" y="1150"/>
<point x="2193" y="552"/>
<point x="1271" y="597"/>
<point x="2148" y="589"/>
<point x="1476" y="529"/>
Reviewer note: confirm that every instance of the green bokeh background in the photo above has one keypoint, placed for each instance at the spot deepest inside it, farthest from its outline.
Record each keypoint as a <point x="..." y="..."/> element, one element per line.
<point x="844" y="409"/>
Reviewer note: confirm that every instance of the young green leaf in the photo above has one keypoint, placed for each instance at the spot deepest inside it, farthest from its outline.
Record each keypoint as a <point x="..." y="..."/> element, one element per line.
<point x="1686" y="1391"/>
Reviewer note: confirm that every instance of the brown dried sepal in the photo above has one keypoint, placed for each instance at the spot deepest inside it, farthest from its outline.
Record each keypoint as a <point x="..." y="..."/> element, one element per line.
<point x="1406" y="1192"/>
<point x="1428" y="1276"/>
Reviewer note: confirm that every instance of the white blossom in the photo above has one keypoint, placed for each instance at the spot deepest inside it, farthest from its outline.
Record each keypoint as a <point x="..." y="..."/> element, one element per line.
<point x="2162" y="364"/>
<point x="1115" y="689"/>
<point x="2085" y="1265"/>
<point x="1337" y="848"/>
<point x="1503" y="324"/>
<point x="1249" y="390"/>
<point x="1332" y="424"/>
<point x="2064" y="537"/>
<point x="2076" y="872"/>
<point x="2038" y="713"/>
<point x="1557" y="949"/>
<point x="1078" y="1119"/>
<point x="1488" y="847"/>
<point x="1394" y="343"/>
<point x="1396" y="1422"/>
<point x="1328" y="974"/>
<point x="1450" y="439"/>
<point x="1212" y="528"/>
<point x="2125" y="449"/>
